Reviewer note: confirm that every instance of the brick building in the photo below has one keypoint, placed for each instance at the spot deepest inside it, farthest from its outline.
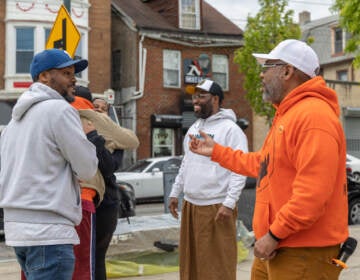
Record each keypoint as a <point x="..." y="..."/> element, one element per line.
<point x="147" y="51"/>
<point x="24" y="30"/>
<point x="158" y="48"/>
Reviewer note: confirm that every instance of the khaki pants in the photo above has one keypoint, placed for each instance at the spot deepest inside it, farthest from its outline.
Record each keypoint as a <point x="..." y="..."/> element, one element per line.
<point x="208" y="249"/>
<point x="310" y="263"/>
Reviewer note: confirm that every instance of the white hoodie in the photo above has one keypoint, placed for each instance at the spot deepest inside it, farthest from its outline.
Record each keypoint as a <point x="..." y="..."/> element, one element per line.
<point x="203" y="181"/>
<point x="44" y="152"/>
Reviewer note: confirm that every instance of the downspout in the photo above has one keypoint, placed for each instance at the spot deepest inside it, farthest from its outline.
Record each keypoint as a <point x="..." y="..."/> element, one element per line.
<point x="140" y="92"/>
<point x="142" y="66"/>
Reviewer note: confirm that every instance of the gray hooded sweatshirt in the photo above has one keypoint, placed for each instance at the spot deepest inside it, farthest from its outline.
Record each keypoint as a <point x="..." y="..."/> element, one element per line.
<point x="44" y="152"/>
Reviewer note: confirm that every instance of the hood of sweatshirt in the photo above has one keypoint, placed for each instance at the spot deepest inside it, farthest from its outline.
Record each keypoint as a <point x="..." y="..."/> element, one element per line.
<point x="37" y="92"/>
<point x="315" y="87"/>
<point x="222" y="114"/>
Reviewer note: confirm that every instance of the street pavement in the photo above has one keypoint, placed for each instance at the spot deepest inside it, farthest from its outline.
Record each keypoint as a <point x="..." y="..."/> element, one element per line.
<point x="9" y="269"/>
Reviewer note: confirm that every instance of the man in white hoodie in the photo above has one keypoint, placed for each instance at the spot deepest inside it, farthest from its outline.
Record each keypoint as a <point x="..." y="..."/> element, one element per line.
<point x="44" y="152"/>
<point x="208" y="248"/>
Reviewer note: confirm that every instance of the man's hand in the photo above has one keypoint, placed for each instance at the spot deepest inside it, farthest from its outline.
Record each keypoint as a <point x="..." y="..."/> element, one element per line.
<point x="202" y="147"/>
<point x="88" y="126"/>
<point x="223" y="213"/>
<point x="173" y="206"/>
<point x="264" y="248"/>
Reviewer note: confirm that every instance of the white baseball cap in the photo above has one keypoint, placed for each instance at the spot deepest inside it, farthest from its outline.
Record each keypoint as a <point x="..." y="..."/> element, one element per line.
<point x="211" y="87"/>
<point x="295" y="52"/>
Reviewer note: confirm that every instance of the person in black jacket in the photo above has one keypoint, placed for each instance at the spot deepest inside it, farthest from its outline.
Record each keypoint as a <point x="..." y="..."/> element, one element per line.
<point x="107" y="211"/>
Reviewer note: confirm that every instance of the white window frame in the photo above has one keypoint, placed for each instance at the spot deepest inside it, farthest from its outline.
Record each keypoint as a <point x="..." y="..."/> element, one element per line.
<point x="17" y="28"/>
<point x="216" y="67"/>
<point x="195" y="13"/>
<point x="170" y="66"/>
<point x="39" y="45"/>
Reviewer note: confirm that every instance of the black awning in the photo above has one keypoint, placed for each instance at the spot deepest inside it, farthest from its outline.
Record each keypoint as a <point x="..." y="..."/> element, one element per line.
<point x="174" y="121"/>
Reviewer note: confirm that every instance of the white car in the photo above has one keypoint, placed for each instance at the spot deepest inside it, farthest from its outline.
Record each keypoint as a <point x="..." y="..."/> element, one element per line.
<point x="353" y="166"/>
<point x="146" y="176"/>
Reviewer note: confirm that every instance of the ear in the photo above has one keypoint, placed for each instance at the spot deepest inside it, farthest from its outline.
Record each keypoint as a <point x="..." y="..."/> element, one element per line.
<point x="289" y="72"/>
<point x="44" y="77"/>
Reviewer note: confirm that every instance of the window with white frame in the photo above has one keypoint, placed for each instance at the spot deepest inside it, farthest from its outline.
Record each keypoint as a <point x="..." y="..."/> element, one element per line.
<point x="220" y="70"/>
<point x="171" y="68"/>
<point x="24" y="48"/>
<point x="189" y="14"/>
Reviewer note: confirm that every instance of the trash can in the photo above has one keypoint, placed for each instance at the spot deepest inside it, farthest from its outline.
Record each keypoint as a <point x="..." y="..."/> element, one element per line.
<point x="171" y="169"/>
<point x="246" y="203"/>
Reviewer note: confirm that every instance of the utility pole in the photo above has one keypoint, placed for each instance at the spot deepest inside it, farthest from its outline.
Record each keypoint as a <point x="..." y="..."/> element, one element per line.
<point x="67" y="4"/>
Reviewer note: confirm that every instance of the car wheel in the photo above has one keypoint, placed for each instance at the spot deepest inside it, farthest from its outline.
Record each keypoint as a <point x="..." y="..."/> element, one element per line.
<point x="356" y="176"/>
<point x="354" y="211"/>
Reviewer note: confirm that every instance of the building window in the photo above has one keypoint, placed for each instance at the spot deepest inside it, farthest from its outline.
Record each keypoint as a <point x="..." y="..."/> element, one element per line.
<point x="24" y="48"/>
<point x="342" y="75"/>
<point x="220" y="70"/>
<point x="338" y="40"/>
<point x="163" y="142"/>
<point x="189" y="14"/>
<point x="116" y="70"/>
<point x="171" y="68"/>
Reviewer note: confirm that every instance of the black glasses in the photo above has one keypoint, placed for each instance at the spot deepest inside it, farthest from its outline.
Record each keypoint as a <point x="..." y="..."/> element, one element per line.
<point x="200" y="95"/>
<point x="267" y="66"/>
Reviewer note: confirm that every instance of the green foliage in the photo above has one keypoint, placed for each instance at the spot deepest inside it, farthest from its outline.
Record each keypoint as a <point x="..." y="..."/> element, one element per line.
<point x="349" y="12"/>
<point x="272" y="24"/>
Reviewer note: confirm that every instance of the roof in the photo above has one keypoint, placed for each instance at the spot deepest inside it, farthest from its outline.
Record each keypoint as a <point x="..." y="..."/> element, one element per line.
<point x="321" y="31"/>
<point x="161" y="15"/>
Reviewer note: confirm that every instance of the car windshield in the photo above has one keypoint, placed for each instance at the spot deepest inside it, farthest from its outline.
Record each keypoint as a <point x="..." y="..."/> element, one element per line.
<point x="138" y="166"/>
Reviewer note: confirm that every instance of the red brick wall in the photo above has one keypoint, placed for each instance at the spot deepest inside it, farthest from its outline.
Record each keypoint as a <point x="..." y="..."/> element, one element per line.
<point x="160" y="100"/>
<point x="99" y="45"/>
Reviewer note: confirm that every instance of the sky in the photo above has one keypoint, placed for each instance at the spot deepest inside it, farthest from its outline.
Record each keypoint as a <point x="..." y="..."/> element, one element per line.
<point x="238" y="10"/>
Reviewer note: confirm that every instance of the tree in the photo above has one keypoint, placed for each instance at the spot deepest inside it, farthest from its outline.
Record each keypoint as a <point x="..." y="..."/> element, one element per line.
<point x="349" y="11"/>
<point x="272" y="24"/>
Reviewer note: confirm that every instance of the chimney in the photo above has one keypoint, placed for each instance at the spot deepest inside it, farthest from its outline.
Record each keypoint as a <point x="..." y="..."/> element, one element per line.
<point x="304" y="17"/>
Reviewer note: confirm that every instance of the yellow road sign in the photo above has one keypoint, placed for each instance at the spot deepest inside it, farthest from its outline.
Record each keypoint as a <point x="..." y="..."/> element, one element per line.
<point x="64" y="34"/>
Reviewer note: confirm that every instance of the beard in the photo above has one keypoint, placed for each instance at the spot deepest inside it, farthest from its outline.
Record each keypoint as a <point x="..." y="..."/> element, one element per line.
<point x="205" y="111"/>
<point x="69" y="98"/>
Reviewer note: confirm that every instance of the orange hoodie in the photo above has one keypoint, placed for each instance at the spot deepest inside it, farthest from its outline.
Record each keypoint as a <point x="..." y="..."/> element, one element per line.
<point x="301" y="193"/>
<point x="81" y="103"/>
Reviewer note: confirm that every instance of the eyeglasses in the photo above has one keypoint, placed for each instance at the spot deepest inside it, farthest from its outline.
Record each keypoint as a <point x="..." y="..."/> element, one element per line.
<point x="200" y="95"/>
<point x="267" y="66"/>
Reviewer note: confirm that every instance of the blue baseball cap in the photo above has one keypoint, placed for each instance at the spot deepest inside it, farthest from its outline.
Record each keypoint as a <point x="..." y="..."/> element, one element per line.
<point x="54" y="59"/>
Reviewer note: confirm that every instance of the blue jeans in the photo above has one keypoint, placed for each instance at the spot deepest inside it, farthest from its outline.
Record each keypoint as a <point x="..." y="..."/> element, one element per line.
<point x="55" y="262"/>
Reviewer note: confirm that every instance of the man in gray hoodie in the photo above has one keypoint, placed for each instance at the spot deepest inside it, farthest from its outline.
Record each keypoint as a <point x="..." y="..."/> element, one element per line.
<point x="44" y="153"/>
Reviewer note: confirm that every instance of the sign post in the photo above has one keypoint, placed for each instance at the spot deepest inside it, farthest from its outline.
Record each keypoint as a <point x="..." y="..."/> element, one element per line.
<point x="67" y="4"/>
<point x="64" y="34"/>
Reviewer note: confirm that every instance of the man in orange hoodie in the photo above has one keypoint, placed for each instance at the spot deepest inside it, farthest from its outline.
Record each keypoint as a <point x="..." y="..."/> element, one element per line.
<point x="300" y="217"/>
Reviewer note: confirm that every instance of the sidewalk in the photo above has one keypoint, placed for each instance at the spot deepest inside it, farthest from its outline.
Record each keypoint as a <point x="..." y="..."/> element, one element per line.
<point x="244" y="268"/>
<point x="9" y="270"/>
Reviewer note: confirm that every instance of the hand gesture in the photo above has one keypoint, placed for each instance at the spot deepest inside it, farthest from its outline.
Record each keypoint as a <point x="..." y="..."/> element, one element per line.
<point x="202" y="146"/>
